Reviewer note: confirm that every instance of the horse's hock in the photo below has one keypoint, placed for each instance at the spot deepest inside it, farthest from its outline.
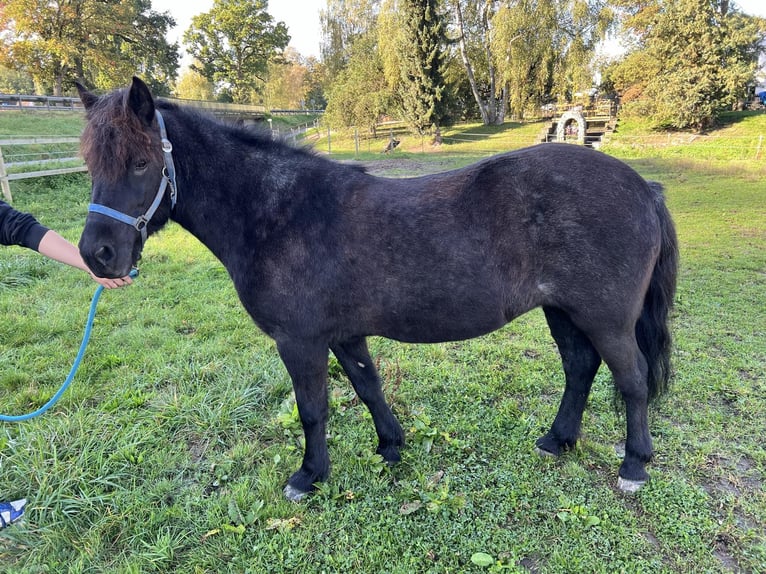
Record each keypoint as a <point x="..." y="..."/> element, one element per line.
<point x="571" y="127"/>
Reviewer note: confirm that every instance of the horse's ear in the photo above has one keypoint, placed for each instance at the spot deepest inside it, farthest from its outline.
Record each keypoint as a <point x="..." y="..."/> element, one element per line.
<point x="139" y="100"/>
<point x="88" y="99"/>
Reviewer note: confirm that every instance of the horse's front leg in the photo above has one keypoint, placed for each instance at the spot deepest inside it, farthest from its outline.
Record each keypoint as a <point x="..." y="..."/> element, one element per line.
<point x="306" y="363"/>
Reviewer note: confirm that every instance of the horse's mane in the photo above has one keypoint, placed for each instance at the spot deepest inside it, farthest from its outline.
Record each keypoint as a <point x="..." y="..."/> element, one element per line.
<point x="114" y="137"/>
<point x="253" y="134"/>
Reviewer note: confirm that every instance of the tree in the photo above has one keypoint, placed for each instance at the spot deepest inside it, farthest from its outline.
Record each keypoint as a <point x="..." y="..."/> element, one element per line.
<point x="343" y="23"/>
<point x="421" y="58"/>
<point x="295" y="83"/>
<point x="474" y="38"/>
<point x="233" y="45"/>
<point x="359" y="95"/>
<point x="543" y="50"/>
<point x="315" y="82"/>
<point x="690" y="60"/>
<point x="520" y="53"/>
<point x="95" y="42"/>
<point x="192" y="85"/>
<point x="13" y="82"/>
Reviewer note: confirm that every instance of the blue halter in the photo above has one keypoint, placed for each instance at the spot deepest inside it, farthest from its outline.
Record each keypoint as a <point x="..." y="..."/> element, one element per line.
<point x="168" y="177"/>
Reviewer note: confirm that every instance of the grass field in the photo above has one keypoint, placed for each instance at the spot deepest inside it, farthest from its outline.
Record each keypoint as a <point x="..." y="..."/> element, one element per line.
<point x="170" y="450"/>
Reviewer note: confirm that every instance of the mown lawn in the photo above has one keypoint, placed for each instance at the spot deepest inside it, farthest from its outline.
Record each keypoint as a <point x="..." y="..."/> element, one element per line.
<point x="170" y="450"/>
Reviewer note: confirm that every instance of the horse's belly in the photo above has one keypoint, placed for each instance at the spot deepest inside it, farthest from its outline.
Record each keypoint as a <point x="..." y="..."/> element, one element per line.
<point x="440" y="323"/>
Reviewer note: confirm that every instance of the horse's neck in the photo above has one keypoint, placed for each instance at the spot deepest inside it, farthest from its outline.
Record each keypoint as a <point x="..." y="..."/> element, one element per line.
<point x="232" y="193"/>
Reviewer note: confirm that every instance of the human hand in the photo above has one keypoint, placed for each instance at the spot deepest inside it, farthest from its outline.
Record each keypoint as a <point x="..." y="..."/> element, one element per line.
<point x="111" y="283"/>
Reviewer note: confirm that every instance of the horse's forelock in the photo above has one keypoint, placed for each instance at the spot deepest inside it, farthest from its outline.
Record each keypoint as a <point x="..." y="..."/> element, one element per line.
<point x="114" y="137"/>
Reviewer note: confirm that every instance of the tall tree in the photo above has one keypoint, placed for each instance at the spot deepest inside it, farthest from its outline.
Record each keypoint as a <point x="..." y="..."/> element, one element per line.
<point x="295" y="83"/>
<point x="233" y="44"/>
<point x="519" y="53"/>
<point x="359" y="95"/>
<point x="472" y="25"/>
<point x="421" y="56"/>
<point x="543" y="49"/>
<point x="98" y="43"/>
<point x="192" y="85"/>
<point x="690" y="60"/>
<point x="343" y="22"/>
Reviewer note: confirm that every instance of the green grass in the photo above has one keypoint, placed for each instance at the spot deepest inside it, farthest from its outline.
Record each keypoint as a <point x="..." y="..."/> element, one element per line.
<point x="469" y="139"/>
<point x="169" y="451"/>
<point x="740" y="139"/>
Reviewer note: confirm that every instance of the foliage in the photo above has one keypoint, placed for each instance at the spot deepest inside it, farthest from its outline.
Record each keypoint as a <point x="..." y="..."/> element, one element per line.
<point x="520" y="54"/>
<point x="692" y="60"/>
<point x="343" y="22"/>
<point x="97" y="43"/>
<point x="169" y="451"/>
<point x="543" y="51"/>
<point x="421" y="57"/>
<point x="359" y="95"/>
<point x="233" y="44"/>
<point x="15" y="82"/>
<point x="192" y="85"/>
<point x="472" y="36"/>
<point x="295" y="82"/>
<point x="393" y="65"/>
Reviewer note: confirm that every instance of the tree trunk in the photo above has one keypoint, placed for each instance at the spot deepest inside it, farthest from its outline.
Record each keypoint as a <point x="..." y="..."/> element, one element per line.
<point x="468" y="68"/>
<point x="58" y="80"/>
<point x="492" y="114"/>
<point x="503" y="105"/>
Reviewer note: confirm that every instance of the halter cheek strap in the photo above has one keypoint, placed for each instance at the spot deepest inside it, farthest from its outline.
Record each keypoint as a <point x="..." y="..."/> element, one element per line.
<point x="168" y="177"/>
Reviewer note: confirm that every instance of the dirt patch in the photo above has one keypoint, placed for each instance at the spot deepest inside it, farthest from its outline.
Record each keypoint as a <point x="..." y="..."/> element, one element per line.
<point x="732" y="477"/>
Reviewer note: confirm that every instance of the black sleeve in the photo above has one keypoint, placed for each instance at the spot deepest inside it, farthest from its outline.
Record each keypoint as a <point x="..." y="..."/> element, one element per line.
<point x="18" y="228"/>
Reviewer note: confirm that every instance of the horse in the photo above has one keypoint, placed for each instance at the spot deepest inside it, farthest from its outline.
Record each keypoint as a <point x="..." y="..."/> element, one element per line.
<point x="323" y="255"/>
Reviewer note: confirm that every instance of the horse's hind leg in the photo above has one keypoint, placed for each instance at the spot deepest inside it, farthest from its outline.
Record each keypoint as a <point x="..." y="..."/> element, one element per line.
<point x="357" y="363"/>
<point x="581" y="362"/>
<point x="630" y="372"/>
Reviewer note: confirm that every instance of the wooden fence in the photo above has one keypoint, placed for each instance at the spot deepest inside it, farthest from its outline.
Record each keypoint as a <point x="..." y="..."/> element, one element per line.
<point x="44" y="160"/>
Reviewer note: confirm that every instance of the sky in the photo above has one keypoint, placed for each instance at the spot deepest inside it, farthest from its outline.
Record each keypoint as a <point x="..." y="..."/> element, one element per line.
<point x="302" y="19"/>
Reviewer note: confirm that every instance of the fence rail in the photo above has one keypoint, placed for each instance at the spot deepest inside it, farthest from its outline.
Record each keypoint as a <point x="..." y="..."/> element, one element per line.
<point x="34" y="102"/>
<point x="6" y="177"/>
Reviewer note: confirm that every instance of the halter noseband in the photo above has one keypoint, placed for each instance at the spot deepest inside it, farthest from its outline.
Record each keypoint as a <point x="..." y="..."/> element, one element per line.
<point x="168" y="177"/>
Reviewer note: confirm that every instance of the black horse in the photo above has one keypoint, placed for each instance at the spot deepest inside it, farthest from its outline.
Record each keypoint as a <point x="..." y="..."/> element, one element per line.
<point x="323" y="255"/>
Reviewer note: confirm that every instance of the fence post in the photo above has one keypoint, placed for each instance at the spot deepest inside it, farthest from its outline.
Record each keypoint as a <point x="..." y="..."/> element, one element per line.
<point x="4" y="179"/>
<point x="329" y="144"/>
<point x="356" y="140"/>
<point x="757" y="151"/>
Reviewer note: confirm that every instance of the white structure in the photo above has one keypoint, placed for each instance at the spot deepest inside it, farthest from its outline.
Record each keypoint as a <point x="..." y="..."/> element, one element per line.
<point x="760" y="75"/>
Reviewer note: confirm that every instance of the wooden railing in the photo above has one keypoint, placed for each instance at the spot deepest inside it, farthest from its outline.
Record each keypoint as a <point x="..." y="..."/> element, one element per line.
<point x="52" y="164"/>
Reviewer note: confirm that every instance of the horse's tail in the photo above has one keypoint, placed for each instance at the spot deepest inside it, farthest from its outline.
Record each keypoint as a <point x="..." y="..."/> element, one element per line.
<point x="652" y="330"/>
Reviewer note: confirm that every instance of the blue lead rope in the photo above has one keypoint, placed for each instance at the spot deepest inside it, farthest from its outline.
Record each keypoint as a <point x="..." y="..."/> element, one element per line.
<point x="84" y="345"/>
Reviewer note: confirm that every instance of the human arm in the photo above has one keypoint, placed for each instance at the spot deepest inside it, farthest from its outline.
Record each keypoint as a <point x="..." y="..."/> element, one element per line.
<point x="54" y="246"/>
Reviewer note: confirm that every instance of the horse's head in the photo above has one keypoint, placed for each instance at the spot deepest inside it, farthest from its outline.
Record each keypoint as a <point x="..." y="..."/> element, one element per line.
<point x="131" y="191"/>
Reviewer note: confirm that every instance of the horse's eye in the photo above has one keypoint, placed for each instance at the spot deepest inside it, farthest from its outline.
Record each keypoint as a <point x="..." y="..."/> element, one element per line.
<point x="140" y="165"/>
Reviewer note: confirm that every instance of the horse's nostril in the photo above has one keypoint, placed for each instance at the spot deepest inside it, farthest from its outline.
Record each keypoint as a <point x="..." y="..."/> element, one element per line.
<point x="104" y="254"/>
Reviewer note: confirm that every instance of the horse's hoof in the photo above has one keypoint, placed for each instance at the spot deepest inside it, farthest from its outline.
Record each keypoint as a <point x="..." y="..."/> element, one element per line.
<point x="293" y="494"/>
<point x="629" y="486"/>
<point x="545" y="453"/>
